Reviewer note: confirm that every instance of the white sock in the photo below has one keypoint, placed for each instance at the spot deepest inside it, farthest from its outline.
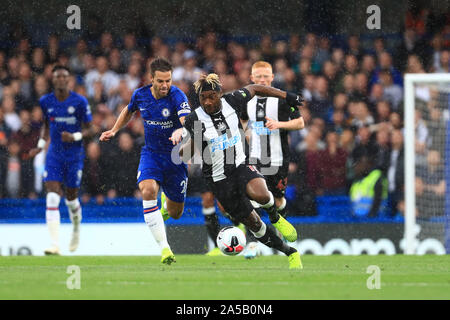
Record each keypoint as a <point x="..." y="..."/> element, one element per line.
<point x="208" y="211"/>
<point x="270" y="203"/>
<point x="74" y="207"/>
<point x="261" y="232"/>
<point x="255" y="204"/>
<point x="283" y="205"/>
<point x="155" y="221"/>
<point x="52" y="217"/>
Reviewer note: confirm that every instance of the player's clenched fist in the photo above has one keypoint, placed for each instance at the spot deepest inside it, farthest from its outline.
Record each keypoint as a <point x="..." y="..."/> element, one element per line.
<point x="107" y="135"/>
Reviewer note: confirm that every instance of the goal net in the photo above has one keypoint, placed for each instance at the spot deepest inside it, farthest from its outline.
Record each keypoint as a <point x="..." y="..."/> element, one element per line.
<point x="427" y="169"/>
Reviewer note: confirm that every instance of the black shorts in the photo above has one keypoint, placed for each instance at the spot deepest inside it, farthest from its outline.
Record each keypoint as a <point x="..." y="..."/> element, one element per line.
<point x="277" y="183"/>
<point x="231" y="191"/>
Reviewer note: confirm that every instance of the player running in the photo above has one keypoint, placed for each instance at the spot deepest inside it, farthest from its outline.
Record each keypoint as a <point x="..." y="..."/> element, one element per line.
<point x="216" y="130"/>
<point x="65" y="112"/>
<point x="270" y="119"/>
<point x="163" y="108"/>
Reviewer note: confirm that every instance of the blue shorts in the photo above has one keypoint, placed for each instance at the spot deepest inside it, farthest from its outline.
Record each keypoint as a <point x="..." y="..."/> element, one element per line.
<point x="67" y="171"/>
<point x="172" y="178"/>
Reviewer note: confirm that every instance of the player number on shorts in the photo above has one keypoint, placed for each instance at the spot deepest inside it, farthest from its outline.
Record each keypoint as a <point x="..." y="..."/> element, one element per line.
<point x="183" y="184"/>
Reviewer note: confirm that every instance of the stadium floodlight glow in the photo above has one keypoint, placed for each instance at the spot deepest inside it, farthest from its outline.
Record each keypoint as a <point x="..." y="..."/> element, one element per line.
<point x="441" y="83"/>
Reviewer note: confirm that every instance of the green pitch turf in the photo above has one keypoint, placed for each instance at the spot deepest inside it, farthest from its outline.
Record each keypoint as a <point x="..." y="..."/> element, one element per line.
<point x="199" y="277"/>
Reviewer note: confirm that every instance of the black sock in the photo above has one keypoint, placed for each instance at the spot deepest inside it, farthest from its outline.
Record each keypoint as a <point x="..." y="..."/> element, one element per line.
<point x="212" y="226"/>
<point x="282" y="212"/>
<point x="250" y="236"/>
<point x="271" y="240"/>
<point x="273" y="214"/>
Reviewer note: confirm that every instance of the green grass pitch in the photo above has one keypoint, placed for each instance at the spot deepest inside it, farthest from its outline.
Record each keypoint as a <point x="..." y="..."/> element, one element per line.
<point x="195" y="277"/>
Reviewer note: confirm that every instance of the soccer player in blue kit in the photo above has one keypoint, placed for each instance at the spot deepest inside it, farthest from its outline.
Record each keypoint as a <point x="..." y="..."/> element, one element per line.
<point x="65" y="113"/>
<point x="163" y="108"/>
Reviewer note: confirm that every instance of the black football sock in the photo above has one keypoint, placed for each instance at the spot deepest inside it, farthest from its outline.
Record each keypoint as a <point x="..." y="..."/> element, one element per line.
<point x="274" y="216"/>
<point x="271" y="209"/>
<point x="212" y="226"/>
<point x="250" y="236"/>
<point x="267" y="236"/>
<point x="282" y="209"/>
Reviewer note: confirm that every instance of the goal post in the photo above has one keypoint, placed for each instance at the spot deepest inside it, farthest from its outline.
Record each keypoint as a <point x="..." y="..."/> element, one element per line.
<point x="423" y="93"/>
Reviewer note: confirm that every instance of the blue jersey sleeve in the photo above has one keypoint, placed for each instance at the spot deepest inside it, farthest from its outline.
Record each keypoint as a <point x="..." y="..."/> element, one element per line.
<point x="43" y="107"/>
<point x="86" y="115"/>
<point x="132" y="106"/>
<point x="181" y="104"/>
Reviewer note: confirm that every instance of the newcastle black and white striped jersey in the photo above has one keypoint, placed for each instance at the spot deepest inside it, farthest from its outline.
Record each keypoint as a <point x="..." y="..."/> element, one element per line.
<point x="268" y="148"/>
<point x="220" y="136"/>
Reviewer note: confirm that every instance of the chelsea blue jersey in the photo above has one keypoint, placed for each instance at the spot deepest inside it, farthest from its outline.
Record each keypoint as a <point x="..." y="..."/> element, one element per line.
<point x="67" y="115"/>
<point x="160" y="116"/>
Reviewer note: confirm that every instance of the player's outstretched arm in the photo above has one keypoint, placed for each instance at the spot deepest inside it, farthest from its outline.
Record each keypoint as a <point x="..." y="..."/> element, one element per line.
<point x="123" y="119"/>
<point x="45" y="132"/>
<point x="294" y="124"/>
<point x="177" y="135"/>
<point x="292" y="99"/>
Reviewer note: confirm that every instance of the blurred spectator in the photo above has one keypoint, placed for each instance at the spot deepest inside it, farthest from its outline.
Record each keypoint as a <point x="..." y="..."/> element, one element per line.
<point x="421" y="138"/>
<point x="368" y="66"/>
<point x="38" y="60"/>
<point x="92" y="183"/>
<point x="129" y="47"/>
<point x="12" y="119"/>
<point x="360" y="115"/>
<point x="363" y="147"/>
<point x="4" y="135"/>
<point x="13" y="171"/>
<point x="189" y="71"/>
<point x="320" y="102"/>
<point x="354" y="47"/>
<point x="430" y="186"/>
<point x="368" y="192"/>
<point x="76" y="60"/>
<point x="381" y="160"/>
<point x="385" y="65"/>
<point x="40" y="88"/>
<point x="27" y="138"/>
<point x="125" y="181"/>
<point x="53" y="49"/>
<point x="395" y="173"/>
<point x="391" y="91"/>
<point x="108" y="78"/>
<point x="106" y="44"/>
<point x="338" y="124"/>
<point x="332" y="165"/>
<point x="414" y="65"/>
<point x="306" y="176"/>
<point x="437" y="128"/>
<point x="115" y="61"/>
<point x="437" y="44"/>
<point x="444" y="62"/>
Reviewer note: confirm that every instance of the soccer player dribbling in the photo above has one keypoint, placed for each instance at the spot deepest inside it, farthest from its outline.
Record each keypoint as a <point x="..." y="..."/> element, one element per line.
<point x="163" y="108"/>
<point x="65" y="113"/>
<point x="215" y="130"/>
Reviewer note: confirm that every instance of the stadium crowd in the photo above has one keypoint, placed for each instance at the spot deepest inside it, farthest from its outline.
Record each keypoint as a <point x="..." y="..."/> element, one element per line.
<point x="353" y="106"/>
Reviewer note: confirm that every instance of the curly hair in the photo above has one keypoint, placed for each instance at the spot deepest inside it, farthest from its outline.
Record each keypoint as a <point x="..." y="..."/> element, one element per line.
<point x="211" y="80"/>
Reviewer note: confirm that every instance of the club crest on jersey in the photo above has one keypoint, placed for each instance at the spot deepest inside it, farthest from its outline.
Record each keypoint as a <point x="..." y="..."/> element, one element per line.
<point x="71" y="109"/>
<point x="165" y="112"/>
<point x="221" y="126"/>
<point x="260" y="114"/>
